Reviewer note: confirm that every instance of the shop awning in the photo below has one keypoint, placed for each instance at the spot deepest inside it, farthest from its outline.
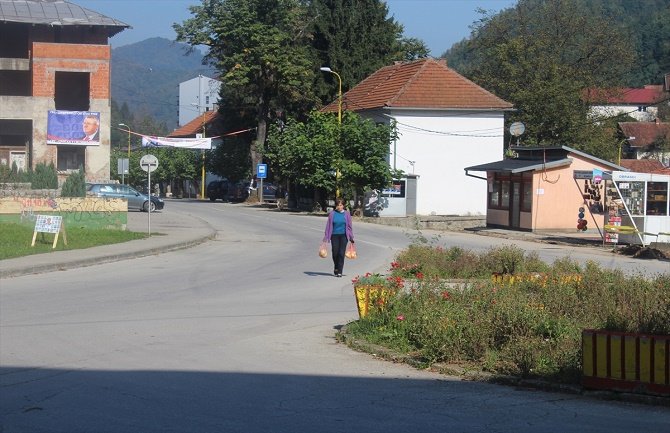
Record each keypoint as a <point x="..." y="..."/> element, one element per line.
<point x="518" y="165"/>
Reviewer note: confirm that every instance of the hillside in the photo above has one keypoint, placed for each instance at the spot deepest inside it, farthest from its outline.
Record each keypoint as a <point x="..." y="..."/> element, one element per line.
<point x="146" y="76"/>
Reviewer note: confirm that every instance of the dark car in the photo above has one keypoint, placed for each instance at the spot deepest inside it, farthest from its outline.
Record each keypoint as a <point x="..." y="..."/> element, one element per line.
<point x="218" y="190"/>
<point x="136" y="200"/>
<point x="238" y="191"/>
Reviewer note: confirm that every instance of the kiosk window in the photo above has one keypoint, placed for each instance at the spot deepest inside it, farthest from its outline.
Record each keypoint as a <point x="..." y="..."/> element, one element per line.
<point x="657" y="198"/>
<point x="632" y="195"/>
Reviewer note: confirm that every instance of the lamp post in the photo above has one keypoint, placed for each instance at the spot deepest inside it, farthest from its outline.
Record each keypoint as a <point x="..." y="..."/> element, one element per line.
<point x="202" y="183"/>
<point x="128" y="128"/>
<point x="621" y="144"/>
<point x="339" y="119"/>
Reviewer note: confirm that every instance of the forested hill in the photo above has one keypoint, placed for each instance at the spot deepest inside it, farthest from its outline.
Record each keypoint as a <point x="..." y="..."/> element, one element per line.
<point x="646" y="22"/>
<point x="146" y="76"/>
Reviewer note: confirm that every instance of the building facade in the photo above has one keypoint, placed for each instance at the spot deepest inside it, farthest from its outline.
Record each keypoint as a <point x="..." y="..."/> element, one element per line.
<point x="197" y="96"/>
<point x="55" y="87"/>
<point x="444" y="122"/>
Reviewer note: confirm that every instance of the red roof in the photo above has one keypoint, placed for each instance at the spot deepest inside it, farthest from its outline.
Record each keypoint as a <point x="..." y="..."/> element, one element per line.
<point x="195" y="126"/>
<point x="424" y="83"/>
<point x="649" y="95"/>
<point x="645" y="166"/>
<point x="645" y="133"/>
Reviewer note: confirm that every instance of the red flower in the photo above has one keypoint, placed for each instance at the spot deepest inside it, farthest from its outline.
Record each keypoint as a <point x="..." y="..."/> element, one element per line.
<point x="395" y="265"/>
<point x="400" y="317"/>
<point x="419" y="275"/>
<point x="445" y="295"/>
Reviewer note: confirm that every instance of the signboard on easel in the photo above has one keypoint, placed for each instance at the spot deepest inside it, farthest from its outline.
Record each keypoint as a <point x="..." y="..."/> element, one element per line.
<point x="49" y="224"/>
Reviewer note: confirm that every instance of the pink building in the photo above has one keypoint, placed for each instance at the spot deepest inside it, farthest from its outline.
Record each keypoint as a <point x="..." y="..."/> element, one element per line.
<point x="537" y="190"/>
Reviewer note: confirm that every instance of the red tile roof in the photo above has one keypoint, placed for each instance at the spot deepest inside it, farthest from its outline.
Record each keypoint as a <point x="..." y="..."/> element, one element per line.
<point x="649" y="95"/>
<point x="645" y="133"/>
<point x="424" y="83"/>
<point x="645" y="166"/>
<point x="195" y="126"/>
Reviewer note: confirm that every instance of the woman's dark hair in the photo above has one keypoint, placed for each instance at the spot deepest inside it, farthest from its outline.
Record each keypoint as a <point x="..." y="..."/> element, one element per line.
<point x="339" y="201"/>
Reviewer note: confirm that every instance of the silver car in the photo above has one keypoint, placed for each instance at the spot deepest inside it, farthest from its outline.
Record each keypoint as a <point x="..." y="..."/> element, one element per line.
<point x="136" y="200"/>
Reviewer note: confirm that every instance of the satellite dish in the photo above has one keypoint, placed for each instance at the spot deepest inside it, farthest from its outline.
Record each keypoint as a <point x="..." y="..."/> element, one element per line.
<point x="517" y="128"/>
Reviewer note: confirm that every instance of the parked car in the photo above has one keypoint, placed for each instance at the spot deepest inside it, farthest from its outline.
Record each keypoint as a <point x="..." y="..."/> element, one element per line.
<point x="269" y="192"/>
<point x="136" y="200"/>
<point x="238" y="191"/>
<point x="218" y="190"/>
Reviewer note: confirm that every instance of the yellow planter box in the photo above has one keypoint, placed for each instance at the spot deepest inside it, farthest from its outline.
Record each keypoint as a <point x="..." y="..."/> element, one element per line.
<point x="625" y="361"/>
<point x="371" y="296"/>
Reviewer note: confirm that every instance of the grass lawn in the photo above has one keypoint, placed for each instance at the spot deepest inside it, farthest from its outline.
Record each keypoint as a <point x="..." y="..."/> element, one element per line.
<point x="15" y="239"/>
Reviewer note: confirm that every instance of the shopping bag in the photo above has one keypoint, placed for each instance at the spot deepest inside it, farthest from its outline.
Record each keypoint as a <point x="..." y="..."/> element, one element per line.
<point x="351" y="251"/>
<point x="323" y="250"/>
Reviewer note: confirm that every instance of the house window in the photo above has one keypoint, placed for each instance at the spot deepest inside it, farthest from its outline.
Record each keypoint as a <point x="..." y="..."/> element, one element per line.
<point x="71" y="158"/>
<point x="499" y="193"/>
<point x="494" y="195"/>
<point x="504" y="194"/>
<point x="526" y="196"/>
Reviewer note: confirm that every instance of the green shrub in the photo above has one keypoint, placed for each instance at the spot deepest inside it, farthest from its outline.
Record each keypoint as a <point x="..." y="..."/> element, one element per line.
<point x="74" y="185"/>
<point x="44" y="177"/>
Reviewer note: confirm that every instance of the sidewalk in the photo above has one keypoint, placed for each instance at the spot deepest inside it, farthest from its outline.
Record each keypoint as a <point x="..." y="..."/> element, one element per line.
<point x="171" y="230"/>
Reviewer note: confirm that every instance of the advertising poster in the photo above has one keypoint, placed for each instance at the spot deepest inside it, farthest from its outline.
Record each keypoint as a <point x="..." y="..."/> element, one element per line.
<point x="73" y="127"/>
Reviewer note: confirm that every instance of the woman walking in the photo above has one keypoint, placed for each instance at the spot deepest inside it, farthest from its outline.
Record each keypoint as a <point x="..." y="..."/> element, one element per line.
<point x="339" y="230"/>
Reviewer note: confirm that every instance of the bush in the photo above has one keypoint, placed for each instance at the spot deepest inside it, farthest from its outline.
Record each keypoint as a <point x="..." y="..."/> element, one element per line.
<point x="74" y="185"/>
<point x="43" y="177"/>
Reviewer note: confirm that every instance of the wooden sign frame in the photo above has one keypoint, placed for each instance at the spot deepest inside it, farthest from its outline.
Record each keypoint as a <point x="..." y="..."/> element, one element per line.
<point x="49" y="224"/>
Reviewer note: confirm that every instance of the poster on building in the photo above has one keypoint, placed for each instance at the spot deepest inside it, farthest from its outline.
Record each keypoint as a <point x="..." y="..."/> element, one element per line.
<point x="73" y="127"/>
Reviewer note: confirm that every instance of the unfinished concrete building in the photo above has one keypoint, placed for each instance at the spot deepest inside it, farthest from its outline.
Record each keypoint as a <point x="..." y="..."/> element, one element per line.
<point x="55" y="59"/>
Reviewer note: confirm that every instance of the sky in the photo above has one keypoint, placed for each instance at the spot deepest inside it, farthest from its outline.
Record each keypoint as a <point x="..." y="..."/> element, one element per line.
<point x="439" y="23"/>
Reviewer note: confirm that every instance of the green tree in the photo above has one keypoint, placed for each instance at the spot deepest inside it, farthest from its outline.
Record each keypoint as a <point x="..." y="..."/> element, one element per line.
<point x="261" y="49"/>
<point x="541" y="55"/>
<point x="310" y="153"/>
<point x="355" y="38"/>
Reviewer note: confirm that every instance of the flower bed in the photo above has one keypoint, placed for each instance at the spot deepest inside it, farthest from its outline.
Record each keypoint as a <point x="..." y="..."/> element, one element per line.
<point x="529" y="326"/>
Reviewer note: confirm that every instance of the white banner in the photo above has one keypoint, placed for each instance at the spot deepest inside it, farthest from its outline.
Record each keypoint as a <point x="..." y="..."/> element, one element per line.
<point x="184" y="143"/>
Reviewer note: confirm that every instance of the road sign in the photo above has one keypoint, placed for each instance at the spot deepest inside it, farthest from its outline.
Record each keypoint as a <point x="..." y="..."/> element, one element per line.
<point x="149" y="163"/>
<point x="261" y="171"/>
<point x="122" y="166"/>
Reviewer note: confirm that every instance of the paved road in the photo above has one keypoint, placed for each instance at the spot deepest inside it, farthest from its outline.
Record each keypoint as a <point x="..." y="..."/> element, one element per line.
<point x="236" y="334"/>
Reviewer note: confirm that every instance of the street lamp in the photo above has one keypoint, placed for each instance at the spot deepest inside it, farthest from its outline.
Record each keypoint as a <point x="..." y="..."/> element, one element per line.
<point x="202" y="183"/>
<point x="339" y="91"/>
<point x="123" y="174"/>
<point x="339" y="118"/>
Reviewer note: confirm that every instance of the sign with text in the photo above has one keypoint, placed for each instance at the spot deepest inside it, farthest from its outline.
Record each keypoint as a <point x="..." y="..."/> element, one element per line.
<point x="73" y="127"/>
<point x="261" y="171"/>
<point x="49" y="224"/>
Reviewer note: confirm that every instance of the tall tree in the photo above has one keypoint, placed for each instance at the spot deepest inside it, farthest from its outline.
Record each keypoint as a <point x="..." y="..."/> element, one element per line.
<point x="541" y="55"/>
<point x="356" y="38"/>
<point x="260" y="48"/>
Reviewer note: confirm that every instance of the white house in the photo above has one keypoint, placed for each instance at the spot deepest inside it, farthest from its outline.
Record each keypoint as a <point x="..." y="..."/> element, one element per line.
<point x="444" y="122"/>
<point x="196" y="96"/>
<point x="639" y="103"/>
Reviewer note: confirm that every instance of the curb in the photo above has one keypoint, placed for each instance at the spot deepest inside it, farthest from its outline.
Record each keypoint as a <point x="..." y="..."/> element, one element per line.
<point x="457" y="371"/>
